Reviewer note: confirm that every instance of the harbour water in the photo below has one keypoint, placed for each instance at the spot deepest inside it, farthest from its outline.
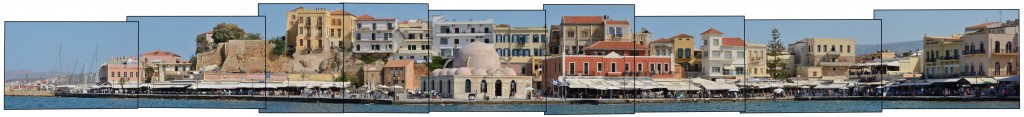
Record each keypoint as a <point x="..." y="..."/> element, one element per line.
<point x="29" y="103"/>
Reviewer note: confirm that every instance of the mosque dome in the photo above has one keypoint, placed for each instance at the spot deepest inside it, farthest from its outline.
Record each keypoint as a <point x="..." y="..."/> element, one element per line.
<point x="436" y="72"/>
<point x="477" y="55"/>
<point x="480" y="72"/>
<point x="451" y="71"/>
<point x="510" y="72"/>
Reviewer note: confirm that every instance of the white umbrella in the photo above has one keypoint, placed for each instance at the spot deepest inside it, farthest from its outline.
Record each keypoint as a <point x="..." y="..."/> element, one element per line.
<point x="734" y="90"/>
<point x="529" y="88"/>
<point x="805" y="87"/>
<point x="778" y="90"/>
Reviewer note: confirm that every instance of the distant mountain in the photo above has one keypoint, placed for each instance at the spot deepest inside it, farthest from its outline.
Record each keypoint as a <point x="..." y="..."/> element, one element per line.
<point x="897" y="47"/>
<point x="20" y="75"/>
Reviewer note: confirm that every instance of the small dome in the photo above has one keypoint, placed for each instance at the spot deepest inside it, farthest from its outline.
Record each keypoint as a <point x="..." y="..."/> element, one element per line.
<point x="451" y="71"/>
<point x="480" y="72"/>
<point x="436" y="72"/>
<point x="494" y="71"/>
<point x="464" y="72"/>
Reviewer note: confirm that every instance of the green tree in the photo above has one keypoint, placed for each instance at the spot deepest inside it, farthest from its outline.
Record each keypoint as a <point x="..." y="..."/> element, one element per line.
<point x="775" y="64"/>
<point x="280" y="46"/>
<point x="149" y="71"/>
<point x="436" y="62"/>
<point x="121" y="82"/>
<point x="369" y="59"/>
<point x="201" y="43"/>
<point x="253" y="36"/>
<point x="341" y="78"/>
<point x="227" y="31"/>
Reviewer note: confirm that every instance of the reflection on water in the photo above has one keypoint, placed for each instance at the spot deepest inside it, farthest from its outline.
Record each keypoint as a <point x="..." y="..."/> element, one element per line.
<point x="565" y="109"/>
<point x="813" y="106"/>
<point x="713" y="106"/>
<point x="23" y="102"/>
<point x="952" y="104"/>
<point x="487" y="108"/>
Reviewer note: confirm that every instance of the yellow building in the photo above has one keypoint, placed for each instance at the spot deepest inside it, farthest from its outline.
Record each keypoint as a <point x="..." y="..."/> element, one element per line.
<point x="757" y="62"/>
<point x="313" y="30"/>
<point x="941" y="56"/>
<point x="521" y="47"/>
<point x="685" y="54"/>
<point x="826" y="58"/>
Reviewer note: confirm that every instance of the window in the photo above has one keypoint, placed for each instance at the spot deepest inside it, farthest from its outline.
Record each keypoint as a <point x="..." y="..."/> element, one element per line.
<point x="584" y="34"/>
<point x="716" y="69"/>
<point x="600" y="66"/>
<point x="572" y="68"/>
<point x="512" y="88"/>
<point x="456" y="41"/>
<point x="640" y="67"/>
<point x="497" y="88"/>
<point x="586" y="68"/>
<point x="570" y="34"/>
<point x="728" y="55"/>
<point x="741" y="54"/>
<point x="715" y="42"/>
<point x="483" y="86"/>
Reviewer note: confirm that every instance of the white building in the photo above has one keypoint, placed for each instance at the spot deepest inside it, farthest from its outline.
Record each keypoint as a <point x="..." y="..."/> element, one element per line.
<point x="723" y="56"/>
<point x="374" y="35"/>
<point x="451" y="35"/>
<point x="413" y="41"/>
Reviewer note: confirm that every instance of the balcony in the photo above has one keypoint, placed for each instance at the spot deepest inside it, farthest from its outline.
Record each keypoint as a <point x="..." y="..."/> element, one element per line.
<point x="1004" y="52"/>
<point x="835" y="64"/>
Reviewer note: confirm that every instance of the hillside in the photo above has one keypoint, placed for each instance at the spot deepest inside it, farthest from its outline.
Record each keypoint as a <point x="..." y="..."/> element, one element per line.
<point x="897" y="47"/>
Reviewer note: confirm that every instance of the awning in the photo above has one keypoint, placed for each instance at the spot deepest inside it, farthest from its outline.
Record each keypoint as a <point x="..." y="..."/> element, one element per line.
<point x="974" y="81"/>
<point x="1009" y="79"/>
<point x="719" y="86"/>
<point x="829" y="86"/>
<point x="214" y="86"/>
<point x="170" y="86"/>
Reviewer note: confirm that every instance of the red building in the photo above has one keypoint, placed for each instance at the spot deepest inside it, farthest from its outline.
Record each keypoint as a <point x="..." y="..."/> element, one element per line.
<point x="608" y="60"/>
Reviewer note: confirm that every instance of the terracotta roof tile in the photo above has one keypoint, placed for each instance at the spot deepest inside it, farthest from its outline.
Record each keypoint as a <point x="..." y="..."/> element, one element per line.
<point x="662" y="40"/>
<point x="368" y="17"/>
<point x="983" y="25"/>
<point x="712" y="31"/>
<point x="615" y="45"/>
<point x="582" y="19"/>
<point x="397" y="63"/>
<point x="340" y="12"/>
<point x="681" y="35"/>
<point x="158" y="52"/>
<point x="733" y="41"/>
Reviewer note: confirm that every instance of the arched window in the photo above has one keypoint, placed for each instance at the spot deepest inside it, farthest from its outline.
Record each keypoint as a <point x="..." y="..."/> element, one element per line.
<point x="450" y="87"/>
<point x="497" y="88"/>
<point x="483" y="86"/>
<point x="423" y="86"/>
<point x="1009" y="47"/>
<point x="1009" y="68"/>
<point x="998" y="67"/>
<point x="997" y="47"/>
<point x="512" y="88"/>
<point x="432" y="85"/>
<point x="469" y="85"/>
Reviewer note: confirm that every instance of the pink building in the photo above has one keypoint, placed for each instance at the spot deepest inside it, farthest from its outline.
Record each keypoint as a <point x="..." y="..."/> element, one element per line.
<point x="121" y="68"/>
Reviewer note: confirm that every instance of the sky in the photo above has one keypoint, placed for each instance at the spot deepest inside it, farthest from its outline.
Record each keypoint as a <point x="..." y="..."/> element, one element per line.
<point x="276" y="18"/>
<point x="666" y="27"/>
<point x="616" y="12"/>
<point x="177" y="34"/>
<point x="34" y="45"/>
<point x="862" y="31"/>
<point x="516" y="18"/>
<point x="912" y="25"/>
<point x="401" y="12"/>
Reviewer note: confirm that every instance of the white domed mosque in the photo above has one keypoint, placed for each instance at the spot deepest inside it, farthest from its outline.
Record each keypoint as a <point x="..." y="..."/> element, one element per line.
<point x="477" y="72"/>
